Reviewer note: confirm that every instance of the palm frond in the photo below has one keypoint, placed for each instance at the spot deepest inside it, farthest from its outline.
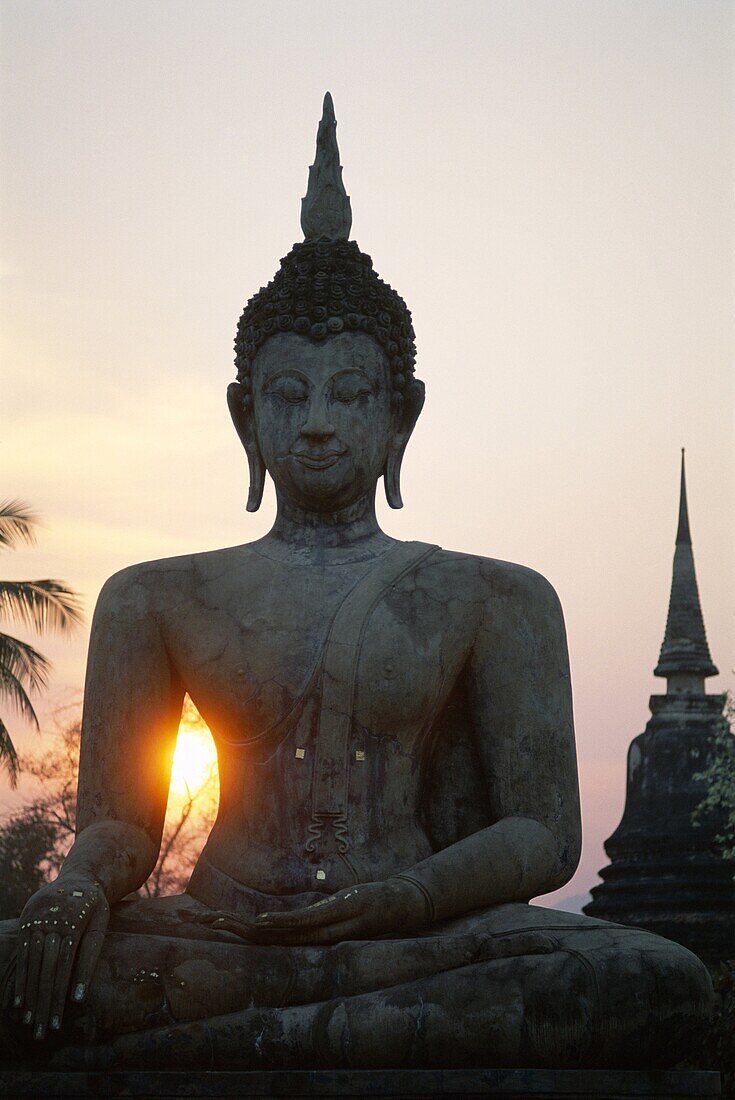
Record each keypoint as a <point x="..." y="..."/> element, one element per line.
<point x="42" y="605"/>
<point x="24" y="662"/>
<point x="16" y="694"/>
<point x="8" y="755"/>
<point x="17" y="523"/>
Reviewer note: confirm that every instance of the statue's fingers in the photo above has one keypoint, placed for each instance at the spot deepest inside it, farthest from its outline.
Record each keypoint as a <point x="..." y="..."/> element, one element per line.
<point x="225" y="923"/>
<point x="61" y="981"/>
<point x="524" y="943"/>
<point x="21" y="966"/>
<point x="46" y="984"/>
<point x="319" y="937"/>
<point x="215" y="915"/>
<point x="328" y="911"/>
<point x="35" y="958"/>
<point x="89" y="953"/>
<point x="353" y="929"/>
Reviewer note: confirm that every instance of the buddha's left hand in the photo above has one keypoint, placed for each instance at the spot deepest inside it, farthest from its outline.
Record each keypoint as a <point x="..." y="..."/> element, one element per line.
<point x="361" y="912"/>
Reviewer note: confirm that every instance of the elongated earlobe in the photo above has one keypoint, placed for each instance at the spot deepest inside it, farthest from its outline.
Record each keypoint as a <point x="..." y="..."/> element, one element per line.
<point x="257" y="478"/>
<point x="413" y="403"/>
<point x="392" y="478"/>
<point x="240" y="406"/>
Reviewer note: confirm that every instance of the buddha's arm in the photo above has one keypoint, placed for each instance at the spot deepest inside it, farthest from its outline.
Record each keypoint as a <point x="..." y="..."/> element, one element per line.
<point x="132" y="706"/>
<point x="520" y="699"/>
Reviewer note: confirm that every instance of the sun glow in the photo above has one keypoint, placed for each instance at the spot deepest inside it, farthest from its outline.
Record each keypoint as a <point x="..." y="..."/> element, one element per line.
<point x="194" y="763"/>
<point x="193" y="800"/>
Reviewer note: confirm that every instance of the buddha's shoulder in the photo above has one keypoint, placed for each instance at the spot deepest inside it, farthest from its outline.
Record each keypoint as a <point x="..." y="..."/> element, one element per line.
<point x="165" y="582"/>
<point x="159" y="578"/>
<point x="491" y="580"/>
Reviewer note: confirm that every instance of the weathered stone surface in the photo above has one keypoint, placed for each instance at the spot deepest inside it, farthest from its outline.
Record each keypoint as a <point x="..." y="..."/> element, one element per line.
<point x="397" y="762"/>
<point x="666" y="874"/>
<point x="325" y="209"/>
<point x="511" y="1084"/>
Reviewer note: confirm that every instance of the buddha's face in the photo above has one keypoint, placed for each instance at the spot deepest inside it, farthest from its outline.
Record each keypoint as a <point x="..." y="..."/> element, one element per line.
<point x="322" y="417"/>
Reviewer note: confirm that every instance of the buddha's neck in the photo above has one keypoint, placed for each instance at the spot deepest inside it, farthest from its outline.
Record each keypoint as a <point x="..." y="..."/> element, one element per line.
<point x="351" y="530"/>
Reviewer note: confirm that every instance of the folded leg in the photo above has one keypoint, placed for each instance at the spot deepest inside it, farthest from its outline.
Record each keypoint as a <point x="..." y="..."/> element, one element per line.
<point x="515" y="985"/>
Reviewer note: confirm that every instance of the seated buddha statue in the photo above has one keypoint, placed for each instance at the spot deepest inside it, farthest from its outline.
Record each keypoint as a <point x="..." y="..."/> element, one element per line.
<point x="393" y="724"/>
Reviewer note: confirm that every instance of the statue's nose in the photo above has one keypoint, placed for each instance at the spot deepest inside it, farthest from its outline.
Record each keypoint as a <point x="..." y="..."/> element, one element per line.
<point x="318" y="424"/>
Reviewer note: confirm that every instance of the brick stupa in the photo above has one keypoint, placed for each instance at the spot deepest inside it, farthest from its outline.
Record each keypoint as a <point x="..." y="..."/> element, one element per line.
<point x="666" y="873"/>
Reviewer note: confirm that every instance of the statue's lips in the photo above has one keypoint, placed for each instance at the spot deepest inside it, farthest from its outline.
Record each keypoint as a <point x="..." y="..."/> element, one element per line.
<point x="318" y="462"/>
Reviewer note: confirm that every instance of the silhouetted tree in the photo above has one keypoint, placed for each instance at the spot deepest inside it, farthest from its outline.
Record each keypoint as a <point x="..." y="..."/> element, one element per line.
<point x="35" y="839"/>
<point x="719" y="775"/>
<point x="42" y="605"/>
<point x="27" y="843"/>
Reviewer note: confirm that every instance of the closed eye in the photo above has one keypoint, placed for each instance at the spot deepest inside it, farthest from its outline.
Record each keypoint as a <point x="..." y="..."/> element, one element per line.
<point x="347" y="392"/>
<point x="290" y="390"/>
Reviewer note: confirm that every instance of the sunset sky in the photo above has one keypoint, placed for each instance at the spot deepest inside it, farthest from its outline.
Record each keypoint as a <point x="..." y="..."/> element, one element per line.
<point x="549" y="185"/>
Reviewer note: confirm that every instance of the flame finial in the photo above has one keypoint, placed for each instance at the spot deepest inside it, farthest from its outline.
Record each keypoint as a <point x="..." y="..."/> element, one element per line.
<point x="325" y="210"/>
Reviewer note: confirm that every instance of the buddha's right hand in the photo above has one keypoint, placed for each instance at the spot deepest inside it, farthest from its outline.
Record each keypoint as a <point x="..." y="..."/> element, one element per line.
<point x="62" y="929"/>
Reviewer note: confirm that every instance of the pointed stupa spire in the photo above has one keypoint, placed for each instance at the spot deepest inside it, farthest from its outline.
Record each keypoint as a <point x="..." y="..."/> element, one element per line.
<point x="685" y="651"/>
<point x="325" y="210"/>
<point x="682" y="531"/>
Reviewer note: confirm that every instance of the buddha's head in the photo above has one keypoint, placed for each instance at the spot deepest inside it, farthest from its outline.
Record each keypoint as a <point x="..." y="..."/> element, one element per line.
<point x="326" y="397"/>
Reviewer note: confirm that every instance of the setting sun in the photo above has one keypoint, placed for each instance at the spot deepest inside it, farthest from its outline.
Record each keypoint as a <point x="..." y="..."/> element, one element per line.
<point x="194" y="763"/>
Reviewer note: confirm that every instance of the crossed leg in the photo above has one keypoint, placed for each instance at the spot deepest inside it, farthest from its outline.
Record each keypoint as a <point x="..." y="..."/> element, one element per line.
<point x="516" y="985"/>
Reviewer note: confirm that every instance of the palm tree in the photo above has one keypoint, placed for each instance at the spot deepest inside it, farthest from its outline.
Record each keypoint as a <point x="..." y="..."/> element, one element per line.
<point x="41" y="605"/>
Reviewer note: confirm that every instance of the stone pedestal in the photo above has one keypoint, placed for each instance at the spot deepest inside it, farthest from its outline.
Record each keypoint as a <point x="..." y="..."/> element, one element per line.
<point x="510" y="1084"/>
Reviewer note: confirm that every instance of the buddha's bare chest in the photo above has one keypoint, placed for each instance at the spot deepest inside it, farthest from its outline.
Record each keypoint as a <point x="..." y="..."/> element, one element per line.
<point x="250" y="653"/>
